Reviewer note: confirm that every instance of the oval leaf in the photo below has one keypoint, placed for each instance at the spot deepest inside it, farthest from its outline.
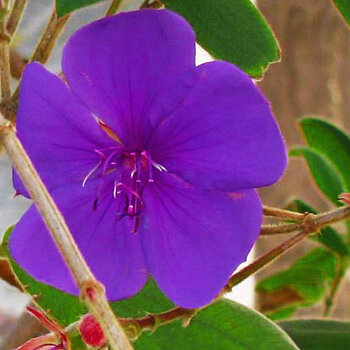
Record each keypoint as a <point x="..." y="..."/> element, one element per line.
<point x="331" y="141"/>
<point x="233" y="31"/>
<point x="318" y="334"/>
<point x="302" y="284"/>
<point x="323" y="172"/>
<point x="221" y="326"/>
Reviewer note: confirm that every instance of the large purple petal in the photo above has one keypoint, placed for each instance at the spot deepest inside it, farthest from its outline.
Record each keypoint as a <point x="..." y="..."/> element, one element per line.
<point x="113" y="253"/>
<point x="56" y="129"/>
<point x="224" y="136"/>
<point x="132" y="69"/>
<point x="193" y="240"/>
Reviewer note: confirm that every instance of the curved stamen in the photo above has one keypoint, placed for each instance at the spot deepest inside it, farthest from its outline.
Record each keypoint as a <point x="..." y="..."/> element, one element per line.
<point x="104" y="171"/>
<point x="91" y="172"/>
<point x="129" y="189"/>
<point x="160" y="167"/>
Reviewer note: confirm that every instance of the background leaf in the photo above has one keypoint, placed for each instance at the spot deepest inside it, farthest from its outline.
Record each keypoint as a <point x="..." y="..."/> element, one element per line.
<point x="302" y="284"/>
<point x="66" y="308"/>
<point x="231" y="30"/>
<point x="344" y="8"/>
<point x="323" y="172"/>
<point x="221" y="326"/>
<point x="331" y="141"/>
<point x="318" y="334"/>
<point x="282" y="314"/>
<point x="64" y="7"/>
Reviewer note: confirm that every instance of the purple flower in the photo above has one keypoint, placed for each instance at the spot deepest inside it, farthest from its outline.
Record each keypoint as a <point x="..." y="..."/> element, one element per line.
<point x="152" y="161"/>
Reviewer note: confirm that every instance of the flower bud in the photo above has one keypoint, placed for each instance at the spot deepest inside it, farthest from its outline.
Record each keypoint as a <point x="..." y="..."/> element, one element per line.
<point x="91" y="331"/>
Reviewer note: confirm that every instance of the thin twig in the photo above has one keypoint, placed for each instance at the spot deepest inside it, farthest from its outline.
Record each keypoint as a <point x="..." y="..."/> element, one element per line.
<point x="271" y="230"/>
<point x="282" y="213"/>
<point x="155" y="4"/>
<point x="5" y="75"/>
<point x="307" y="219"/>
<point x="5" y="68"/>
<point x="7" y="106"/>
<point x="48" y="39"/>
<point x="265" y="260"/>
<point x="329" y="302"/>
<point x="91" y="291"/>
<point x="15" y="17"/>
<point x="46" y="43"/>
<point x="114" y="7"/>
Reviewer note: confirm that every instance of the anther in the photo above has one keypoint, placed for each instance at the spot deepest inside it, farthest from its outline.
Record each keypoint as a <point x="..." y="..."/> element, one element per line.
<point x="130" y="211"/>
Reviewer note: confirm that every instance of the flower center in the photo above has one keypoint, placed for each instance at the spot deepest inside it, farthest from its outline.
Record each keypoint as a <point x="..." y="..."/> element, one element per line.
<point x="131" y="171"/>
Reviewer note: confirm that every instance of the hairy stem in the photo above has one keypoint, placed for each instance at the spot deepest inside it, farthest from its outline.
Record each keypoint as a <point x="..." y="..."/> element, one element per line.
<point x="15" y="16"/>
<point x="46" y="43"/>
<point x="7" y="107"/>
<point x="271" y="230"/>
<point x="48" y="39"/>
<point x="265" y="260"/>
<point x="91" y="291"/>
<point x="282" y="213"/>
<point x="114" y="7"/>
<point x="5" y="73"/>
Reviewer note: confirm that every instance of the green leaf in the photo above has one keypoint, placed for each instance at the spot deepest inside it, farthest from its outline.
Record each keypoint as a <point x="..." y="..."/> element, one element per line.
<point x="323" y="172"/>
<point x="331" y="141"/>
<point x="64" y="7"/>
<point x="221" y="326"/>
<point x="344" y="8"/>
<point x="282" y="314"/>
<point x="318" y="334"/>
<point x="302" y="284"/>
<point x="149" y="300"/>
<point x="327" y="236"/>
<point x="231" y="30"/>
<point x="66" y="308"/>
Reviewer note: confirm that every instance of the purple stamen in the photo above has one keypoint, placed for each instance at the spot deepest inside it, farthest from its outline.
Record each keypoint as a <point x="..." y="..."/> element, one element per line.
<point x="150" y="169"/>
<point x="138" y="168"/>
<point x="128" y="178"/>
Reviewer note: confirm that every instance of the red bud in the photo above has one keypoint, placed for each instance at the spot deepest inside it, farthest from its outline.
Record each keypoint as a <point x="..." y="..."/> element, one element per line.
<point x="91" y="331"/>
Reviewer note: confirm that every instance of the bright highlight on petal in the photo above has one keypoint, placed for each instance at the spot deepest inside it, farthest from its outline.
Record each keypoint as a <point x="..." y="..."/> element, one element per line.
<point x="153" y="161"/>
